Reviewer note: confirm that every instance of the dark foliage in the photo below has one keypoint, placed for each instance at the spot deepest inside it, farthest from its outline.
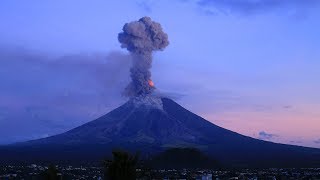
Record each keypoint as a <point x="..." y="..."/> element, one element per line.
<point x="123" y="166"/>
<point x="50" y="174"/>
<point x="182" y="158"/>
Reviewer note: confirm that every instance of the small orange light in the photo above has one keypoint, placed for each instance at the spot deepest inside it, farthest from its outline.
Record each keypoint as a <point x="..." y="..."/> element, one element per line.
<point x="150" y="83"/>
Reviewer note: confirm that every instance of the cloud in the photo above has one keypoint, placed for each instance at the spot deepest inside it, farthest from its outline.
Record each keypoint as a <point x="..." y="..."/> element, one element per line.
<point x="146" y="5"/>
<point x="28" y="71"/>
<point x="317" y="141"/>
<point x="266" y="136"/>
<point x="255" y="6"/>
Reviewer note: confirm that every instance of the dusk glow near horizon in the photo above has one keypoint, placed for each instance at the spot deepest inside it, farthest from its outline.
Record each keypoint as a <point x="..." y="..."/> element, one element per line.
<point x="250" y="68"/>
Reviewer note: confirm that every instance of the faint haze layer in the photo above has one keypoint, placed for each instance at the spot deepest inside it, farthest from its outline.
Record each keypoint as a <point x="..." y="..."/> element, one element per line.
<point x="141" y="38"/>
<point x="47" y="94"/>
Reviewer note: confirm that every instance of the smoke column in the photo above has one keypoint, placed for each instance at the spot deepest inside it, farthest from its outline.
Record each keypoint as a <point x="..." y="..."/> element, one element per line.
<point x="141" y="38"/>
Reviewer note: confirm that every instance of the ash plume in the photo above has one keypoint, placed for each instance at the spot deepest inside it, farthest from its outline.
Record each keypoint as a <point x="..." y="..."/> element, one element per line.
<point x="141" y="38"/>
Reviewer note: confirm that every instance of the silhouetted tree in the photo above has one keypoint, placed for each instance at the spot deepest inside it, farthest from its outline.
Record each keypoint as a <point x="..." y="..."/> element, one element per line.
<point x="51" y="173"/>
<point x="123" y="166"/>
<point x="178" y="158"/>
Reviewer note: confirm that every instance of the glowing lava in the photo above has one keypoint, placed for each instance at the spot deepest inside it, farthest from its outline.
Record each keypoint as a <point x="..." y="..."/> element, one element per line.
<point x="150" y="83"/>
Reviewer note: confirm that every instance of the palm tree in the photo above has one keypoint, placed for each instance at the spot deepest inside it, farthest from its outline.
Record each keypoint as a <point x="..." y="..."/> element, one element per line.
<point x="123" y="166"/>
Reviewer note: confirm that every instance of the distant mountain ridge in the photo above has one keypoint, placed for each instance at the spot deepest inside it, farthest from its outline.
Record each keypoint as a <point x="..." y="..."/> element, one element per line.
<point x="152" y="124"/>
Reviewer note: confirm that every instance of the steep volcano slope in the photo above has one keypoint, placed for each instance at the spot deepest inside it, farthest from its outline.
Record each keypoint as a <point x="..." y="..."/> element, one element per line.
<point x="162" y="123"/>
<point x="152" y="124"/>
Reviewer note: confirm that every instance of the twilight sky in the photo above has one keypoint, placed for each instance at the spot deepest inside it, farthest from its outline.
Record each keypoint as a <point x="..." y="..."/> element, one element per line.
<point x="251" y="66"/>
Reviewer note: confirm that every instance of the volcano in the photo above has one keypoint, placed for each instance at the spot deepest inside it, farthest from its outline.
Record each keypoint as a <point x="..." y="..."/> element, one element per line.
<point x="152" y="124"/>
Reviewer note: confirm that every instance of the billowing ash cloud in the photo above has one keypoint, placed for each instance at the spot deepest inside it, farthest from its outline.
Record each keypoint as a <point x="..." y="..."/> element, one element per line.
<point x="141" y="38"/>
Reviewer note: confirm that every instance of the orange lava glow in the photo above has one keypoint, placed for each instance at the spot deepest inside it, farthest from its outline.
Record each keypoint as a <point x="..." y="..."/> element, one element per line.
<point x="150" y="83"/>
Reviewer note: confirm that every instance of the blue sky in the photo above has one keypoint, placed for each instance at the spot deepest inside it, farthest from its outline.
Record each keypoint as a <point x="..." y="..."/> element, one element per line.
<point x="249" y="66"/>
